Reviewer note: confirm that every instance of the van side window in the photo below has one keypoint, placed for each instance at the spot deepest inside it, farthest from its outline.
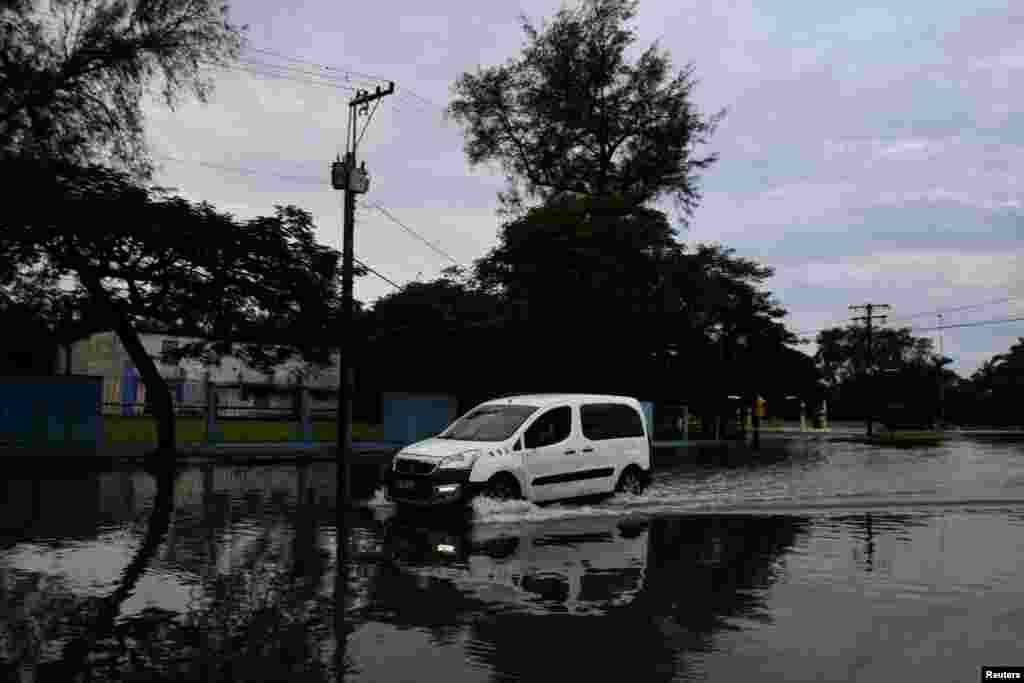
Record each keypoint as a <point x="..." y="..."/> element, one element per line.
<point x="610" y="421"/>
<point x="550" y="428"/>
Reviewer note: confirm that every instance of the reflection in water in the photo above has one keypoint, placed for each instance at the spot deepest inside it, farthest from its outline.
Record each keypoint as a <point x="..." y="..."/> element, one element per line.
<point x="645" y="592"/>
<point x="225" y="573"/>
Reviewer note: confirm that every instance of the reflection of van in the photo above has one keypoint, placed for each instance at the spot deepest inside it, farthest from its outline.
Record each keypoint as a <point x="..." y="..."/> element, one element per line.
<point x="585" y="564"/>
<point x="540" y="447"/>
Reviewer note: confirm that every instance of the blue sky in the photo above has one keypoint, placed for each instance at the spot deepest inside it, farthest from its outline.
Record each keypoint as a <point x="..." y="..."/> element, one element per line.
<point x="869" y="153"/>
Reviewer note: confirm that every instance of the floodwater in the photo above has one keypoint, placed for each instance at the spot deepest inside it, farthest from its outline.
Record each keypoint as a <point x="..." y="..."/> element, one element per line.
<point x="825" y="561"/>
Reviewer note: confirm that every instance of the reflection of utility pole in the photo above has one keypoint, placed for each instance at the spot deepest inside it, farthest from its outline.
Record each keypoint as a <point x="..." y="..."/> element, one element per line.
<point x="869" y="353"/>
<point x="942" y="383"/>
<point x="869" y="558"/>
<point x="345" y="176"/>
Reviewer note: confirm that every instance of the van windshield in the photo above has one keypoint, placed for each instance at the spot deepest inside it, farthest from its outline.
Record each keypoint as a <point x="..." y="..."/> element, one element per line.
<point x="488" y="423"/>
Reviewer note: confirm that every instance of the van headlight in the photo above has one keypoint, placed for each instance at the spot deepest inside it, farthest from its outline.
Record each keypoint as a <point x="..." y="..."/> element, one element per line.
<point x="462" y="461"/>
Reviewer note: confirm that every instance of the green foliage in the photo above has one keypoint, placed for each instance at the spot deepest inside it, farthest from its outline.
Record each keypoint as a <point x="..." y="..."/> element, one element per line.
<point x="994" y="392"/>
<point x="178" y="267"/>
<point x="843" y="354"/>
<point x="73" y="73"/>
<point x="578" y="296"/>
<point x="571" y="116"/>
<point x="901" y="380"/>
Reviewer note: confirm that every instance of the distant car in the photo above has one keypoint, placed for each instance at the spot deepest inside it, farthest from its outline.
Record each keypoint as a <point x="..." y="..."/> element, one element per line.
<point x="538" y="447"/>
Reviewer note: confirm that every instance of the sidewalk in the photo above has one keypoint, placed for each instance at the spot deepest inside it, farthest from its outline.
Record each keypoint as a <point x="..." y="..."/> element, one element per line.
<point x="365" y="452"/>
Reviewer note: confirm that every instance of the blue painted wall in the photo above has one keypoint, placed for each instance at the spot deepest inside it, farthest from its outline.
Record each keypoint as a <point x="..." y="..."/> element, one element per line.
<point x="408" y="418"/>
<point x="50" y="412"/>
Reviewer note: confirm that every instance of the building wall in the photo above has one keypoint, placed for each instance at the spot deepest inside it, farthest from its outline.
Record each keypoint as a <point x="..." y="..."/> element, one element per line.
<point x="102" y="355"/>
<point x="50" y="414"/>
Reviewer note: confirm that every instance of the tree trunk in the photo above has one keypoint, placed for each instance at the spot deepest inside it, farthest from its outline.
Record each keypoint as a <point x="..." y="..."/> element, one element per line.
<point x="75" y="657"/>
<point x="755" y="424"/>
<point x="157" y="390"/>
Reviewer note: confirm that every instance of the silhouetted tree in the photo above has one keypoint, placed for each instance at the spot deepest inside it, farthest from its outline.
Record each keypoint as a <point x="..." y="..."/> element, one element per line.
<point x="572" y="116"/>
<point x="149" y="260"/>
<point x="73" y="73"/>
<point x="995" y="390"/>
<point x="899" y="368"/>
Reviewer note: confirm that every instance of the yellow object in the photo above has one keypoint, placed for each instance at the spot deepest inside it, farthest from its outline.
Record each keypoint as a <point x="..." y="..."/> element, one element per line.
<point x="760" y="406"/>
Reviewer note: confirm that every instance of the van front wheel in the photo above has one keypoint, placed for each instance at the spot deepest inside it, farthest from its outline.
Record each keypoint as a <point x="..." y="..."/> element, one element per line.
<point x="631" y="481"/>
<point x="502" y="487"/>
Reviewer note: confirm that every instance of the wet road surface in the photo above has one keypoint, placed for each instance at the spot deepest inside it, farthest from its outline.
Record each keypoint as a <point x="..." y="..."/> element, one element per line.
<point x="827" y="561"/>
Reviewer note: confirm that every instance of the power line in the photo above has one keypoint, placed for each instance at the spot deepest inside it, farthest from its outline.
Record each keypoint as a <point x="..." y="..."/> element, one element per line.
<point x="385" y="279"/>
<point x="303" y="72"/>
<point x="253" y="70"/>
<point x="267" y="71"/>
<point x="363" y="263"/>
<point x="311" y="181"/>
<point x="327" y="67"/>
<point x="939" y="311"/>
<point x="415" y="234"/>
<point x="301" y="179"/>
<point x="976" y="323"/>
<point x="245" y="171"/>
<point x="968" y="307"/>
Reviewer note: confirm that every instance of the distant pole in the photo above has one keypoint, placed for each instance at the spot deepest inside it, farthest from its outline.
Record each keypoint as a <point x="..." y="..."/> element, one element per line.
<point x="868" y="318"/>
<point x="346" y="176"/>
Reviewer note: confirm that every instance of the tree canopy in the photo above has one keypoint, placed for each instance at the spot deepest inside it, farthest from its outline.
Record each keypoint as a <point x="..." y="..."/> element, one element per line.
<point x="994" y="392"/>
<point x="141" y="258"/>
<point x="573" y="116"/>
<point x="73" y="73"/>
<point x="843" y="354"/>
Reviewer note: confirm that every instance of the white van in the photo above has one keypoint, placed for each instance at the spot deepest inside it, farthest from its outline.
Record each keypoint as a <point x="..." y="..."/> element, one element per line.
<point x="540" y="447"/>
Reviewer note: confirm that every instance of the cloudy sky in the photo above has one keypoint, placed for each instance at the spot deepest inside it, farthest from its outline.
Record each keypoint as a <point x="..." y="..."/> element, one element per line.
<point x="869" y="154"/>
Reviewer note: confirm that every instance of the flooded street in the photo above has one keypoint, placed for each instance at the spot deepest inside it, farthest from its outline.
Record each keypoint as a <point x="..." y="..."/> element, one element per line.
<point x="828" y="561"/>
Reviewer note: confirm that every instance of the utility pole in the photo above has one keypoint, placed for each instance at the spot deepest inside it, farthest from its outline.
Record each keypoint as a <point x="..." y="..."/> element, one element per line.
<point x="868" y="318"/>
<point x="345" y="176"/>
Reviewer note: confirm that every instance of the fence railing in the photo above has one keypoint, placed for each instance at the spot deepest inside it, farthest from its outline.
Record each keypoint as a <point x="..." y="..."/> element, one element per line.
<point x="237" y="411"/>
<point x="213" y="411"/>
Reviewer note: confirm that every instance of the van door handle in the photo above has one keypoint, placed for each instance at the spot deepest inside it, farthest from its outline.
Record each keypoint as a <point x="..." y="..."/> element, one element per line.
<point x="570" y="451"/>
<point x="588" y="450"/>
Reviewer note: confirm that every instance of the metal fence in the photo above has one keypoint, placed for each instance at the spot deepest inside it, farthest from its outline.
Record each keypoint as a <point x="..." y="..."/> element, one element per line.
<point x="224" y="411"/>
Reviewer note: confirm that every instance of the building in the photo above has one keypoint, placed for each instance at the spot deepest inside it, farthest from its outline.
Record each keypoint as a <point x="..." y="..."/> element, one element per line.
<point x="240" y="389"/>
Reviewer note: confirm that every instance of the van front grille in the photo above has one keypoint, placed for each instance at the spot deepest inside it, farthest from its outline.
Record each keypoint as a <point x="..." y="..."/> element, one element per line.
<point x="414" y="467"/>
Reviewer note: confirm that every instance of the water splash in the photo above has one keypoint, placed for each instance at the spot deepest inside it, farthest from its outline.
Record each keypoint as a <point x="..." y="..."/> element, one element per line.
<point x="488" y="511"/>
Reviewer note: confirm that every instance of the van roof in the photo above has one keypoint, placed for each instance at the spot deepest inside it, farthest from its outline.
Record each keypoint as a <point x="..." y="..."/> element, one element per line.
<point x="543" y="400"/>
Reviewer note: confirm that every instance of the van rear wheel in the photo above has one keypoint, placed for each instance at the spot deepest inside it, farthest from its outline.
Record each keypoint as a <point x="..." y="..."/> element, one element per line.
<point x="502" y="487"/>
<point x="631" y="481"/>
